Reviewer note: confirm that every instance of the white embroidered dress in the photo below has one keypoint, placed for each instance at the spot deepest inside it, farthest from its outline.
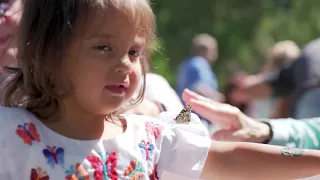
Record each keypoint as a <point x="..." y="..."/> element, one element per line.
<point x="148" y="149"/>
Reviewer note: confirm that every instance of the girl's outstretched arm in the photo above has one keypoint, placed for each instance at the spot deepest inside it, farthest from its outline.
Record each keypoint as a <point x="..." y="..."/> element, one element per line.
<point x="250" y="161"/>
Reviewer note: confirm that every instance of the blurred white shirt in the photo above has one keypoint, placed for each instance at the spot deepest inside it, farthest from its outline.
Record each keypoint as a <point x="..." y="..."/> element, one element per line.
<point x="158" y="89"/>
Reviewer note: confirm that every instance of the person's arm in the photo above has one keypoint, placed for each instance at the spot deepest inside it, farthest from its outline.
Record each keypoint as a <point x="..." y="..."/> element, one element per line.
<point x="249" y="161"/>
<point x="277" y="83"/>
<point x="206" y="91"/>
<point x="256" y="86"/>
<point x="200" y="77"/>
<point x="236" y="126"/>
<point x="296" y="133"/>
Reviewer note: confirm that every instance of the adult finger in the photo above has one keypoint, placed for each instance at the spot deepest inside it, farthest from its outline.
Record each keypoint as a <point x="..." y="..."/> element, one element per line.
<point x="213" y="113"/>
<point x="188" y="95"/>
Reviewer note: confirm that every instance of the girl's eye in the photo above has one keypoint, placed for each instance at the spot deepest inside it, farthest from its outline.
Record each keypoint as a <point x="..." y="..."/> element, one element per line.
<point x="103" y="48"/>
<point x="134" y="53"/>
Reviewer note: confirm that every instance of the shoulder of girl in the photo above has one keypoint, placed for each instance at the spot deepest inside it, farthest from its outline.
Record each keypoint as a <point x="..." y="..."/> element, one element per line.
<point x="10" y="116"/>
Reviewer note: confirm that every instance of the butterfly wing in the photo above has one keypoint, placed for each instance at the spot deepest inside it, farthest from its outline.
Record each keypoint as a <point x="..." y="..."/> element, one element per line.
<point x="82" y="172"/>
<point x="132" y="166"/>
<point x="71" y="177"/>
<point x="151" y="148"/>
<point x="34" y="174"/>
<point x="157" y="129"/>
<point x="149" y="126"/>
<point x="154" y="175"/>
<point x="34" y="132"/>
<point x="24" y="136"/>
<point x="60" y="156"/>
<point x="49" y="157"/>
<point x="142" y="147"/>
<point x="96" y="163"/>
<point x="111" y="164"/>
<point x="184" y="116"/>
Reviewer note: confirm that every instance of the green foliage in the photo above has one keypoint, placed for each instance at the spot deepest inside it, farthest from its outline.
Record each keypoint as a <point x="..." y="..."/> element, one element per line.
<point x="245" y="29"/>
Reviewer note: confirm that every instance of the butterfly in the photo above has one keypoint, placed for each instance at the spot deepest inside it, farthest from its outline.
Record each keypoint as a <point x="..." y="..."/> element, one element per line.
<point x="146" y="149"/>
<point x="77" y="172"/>
<point x="154" y="175"/>
<point x="153" y="129"/>
<point x="184" y="116"/>
<point x="105" y="166"/>
<point x="134" y="171"/>
<point x="28" y="132"/>
<point x="39" y="174"/>
<point x="54" y="155"/>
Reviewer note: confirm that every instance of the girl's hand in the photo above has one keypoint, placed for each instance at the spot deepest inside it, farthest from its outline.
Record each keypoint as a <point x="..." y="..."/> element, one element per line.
<point x="235" y="126"/>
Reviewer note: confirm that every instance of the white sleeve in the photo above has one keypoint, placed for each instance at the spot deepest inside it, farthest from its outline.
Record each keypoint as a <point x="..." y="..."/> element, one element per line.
<point x="184" y="148"/>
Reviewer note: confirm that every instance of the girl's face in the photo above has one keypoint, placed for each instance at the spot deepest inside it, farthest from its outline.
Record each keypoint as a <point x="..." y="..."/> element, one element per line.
<point x="103" y="62"/>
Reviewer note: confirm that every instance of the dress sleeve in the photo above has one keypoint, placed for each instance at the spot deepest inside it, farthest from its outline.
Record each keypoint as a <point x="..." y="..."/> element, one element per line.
<point x="184" y="148"/>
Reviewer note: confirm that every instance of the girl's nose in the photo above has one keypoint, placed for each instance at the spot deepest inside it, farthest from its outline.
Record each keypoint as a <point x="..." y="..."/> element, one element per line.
<point x="125" y="65"/>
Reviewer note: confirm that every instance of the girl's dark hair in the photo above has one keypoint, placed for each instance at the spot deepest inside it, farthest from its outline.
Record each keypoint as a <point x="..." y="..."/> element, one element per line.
<point x="45" y="31"/>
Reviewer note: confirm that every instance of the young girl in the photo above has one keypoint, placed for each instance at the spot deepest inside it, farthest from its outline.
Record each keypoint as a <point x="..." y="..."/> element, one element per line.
<point x="79" y="61"/>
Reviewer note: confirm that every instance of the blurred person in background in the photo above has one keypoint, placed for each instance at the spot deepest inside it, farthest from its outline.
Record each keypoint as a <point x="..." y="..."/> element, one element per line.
<point x="241" y="102"/>
<point x="9" y="17"/>
<point x="159" y="90"/>
<point x="299" y="78"/>
<point x="196" y="73"/>
<point x="282" y="52"/>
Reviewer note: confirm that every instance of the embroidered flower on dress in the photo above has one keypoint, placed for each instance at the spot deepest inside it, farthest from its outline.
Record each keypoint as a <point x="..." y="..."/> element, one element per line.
<point x="134" y="171"/>
<point x="54" y="155"/>
<point x="146" y="149"/>
<point x="153" y="129"/>
<point x="105" y="166"/>
<point x="39" y="174"/>
<point x="77" y="172"/>
<point x="28" y="132"/>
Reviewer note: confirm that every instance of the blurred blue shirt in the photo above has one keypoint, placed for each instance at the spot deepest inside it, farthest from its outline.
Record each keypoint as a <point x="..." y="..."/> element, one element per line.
<point x="194" y="71"/>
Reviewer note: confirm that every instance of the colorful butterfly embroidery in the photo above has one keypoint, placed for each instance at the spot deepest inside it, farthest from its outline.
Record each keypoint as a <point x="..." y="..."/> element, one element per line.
<point x="134" y="171"/>
<point x="105" y="166"/>
<point x="184" y="116"/>
<point x="54" y="155"/>
<point x="153" y="129"/>
<point x="77" y="172"/>
<point x="28" y="132"/>
<point x="146" y="149"/>
<point x="38" y="174"/>
<point x="154" y="175"/>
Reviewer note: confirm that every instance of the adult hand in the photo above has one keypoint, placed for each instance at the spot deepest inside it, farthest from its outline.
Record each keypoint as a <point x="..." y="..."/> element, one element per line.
<point x="235" y="126"/>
